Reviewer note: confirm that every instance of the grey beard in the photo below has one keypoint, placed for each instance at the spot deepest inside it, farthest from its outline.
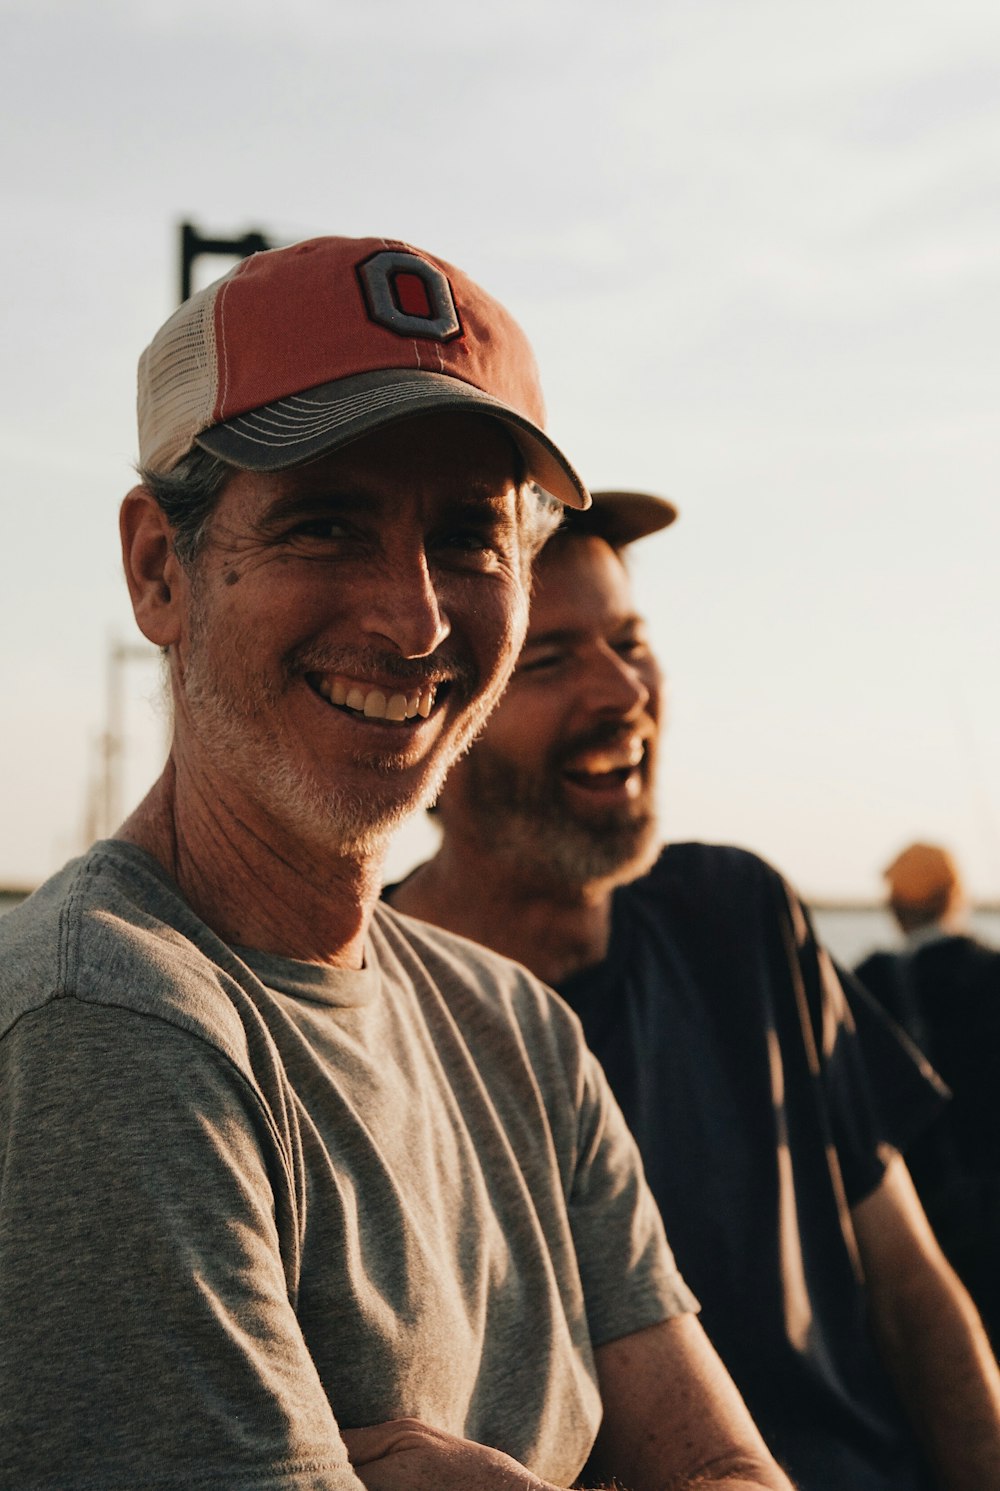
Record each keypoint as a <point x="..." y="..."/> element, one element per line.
<point x="232" y="726"/>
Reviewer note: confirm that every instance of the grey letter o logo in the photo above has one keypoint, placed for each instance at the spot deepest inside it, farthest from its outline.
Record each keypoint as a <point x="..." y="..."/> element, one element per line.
<point x="407" y="295"/>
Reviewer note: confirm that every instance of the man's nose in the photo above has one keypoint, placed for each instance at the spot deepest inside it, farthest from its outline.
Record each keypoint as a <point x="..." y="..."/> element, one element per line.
<point x="404" y="609"/>
<point x="615" y="686"/>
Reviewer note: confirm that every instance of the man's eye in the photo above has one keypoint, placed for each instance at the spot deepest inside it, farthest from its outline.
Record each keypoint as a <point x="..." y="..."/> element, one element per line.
<point x="540" y="662"/>
<point x="633" y="648"/>
<point x="471" y="541"/>
<point x="322" y="528"/>
<point x="472" y="546"/>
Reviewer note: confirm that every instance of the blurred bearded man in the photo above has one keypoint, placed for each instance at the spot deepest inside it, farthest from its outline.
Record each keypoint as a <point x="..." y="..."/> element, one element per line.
<point x="770" y="1100"/>
<point x="609" y="845"/>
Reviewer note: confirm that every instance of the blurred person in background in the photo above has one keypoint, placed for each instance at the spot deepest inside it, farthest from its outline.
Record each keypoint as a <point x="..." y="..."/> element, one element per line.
<point x="943" y="987"/>
<point x="770" y="1098"/>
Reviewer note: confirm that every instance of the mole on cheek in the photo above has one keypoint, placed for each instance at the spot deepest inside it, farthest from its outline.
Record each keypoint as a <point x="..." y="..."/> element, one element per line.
<point x="231" y="577"/>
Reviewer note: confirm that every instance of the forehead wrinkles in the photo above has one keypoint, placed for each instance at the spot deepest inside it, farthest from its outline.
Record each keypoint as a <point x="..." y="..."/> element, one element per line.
<point x="383" y="499"/>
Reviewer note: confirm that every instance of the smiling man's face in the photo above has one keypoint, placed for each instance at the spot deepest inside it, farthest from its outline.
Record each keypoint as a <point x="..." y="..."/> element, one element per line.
<point x="562" y="780"/>
<point x="348" y="626"/>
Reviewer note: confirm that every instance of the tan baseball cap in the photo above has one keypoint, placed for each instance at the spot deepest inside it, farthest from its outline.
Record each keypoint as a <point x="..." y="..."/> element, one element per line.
<point x="622" y="517"/>
<point x="300" y="350"/>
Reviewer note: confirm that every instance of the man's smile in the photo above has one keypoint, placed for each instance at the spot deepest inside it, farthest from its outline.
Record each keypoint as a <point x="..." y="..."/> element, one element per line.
<point x="611" y="767"/>
<point x="373" y="701"/>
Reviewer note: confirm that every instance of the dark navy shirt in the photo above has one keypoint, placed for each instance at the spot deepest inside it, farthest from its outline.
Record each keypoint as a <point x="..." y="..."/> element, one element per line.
<point x="762" y="1089"/>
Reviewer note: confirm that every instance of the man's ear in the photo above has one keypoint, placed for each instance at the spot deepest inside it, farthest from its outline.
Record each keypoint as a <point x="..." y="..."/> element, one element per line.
<point x="153" y="573"/>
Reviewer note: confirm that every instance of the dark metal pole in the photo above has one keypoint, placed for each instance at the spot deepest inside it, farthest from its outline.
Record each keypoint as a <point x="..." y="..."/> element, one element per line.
<point x="194" y="244"/>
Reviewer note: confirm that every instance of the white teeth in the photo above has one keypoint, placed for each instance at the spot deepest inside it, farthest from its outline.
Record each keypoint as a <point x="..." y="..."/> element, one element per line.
<point x="374" y="704"/>
<point x="620" y="758"/>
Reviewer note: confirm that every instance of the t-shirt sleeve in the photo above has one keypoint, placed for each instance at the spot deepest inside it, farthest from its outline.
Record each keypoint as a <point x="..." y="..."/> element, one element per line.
<point x="906" y="1092"/>
<point x="148" y="1334"/>
<point x="880" y="1091"/>
<point x="630" y="1279"/>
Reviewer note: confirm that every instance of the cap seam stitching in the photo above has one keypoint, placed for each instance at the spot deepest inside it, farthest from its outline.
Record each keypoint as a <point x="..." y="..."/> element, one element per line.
<point x="224" y="348"/>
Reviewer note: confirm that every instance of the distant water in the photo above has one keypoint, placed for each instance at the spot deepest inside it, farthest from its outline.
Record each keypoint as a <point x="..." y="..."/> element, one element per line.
<point x="10" y="898"/>
<point x="852" y="932"/>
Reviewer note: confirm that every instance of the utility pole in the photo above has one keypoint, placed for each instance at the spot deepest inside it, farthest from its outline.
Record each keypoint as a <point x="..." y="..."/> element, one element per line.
<point x="104" y="796"/>
<point x="194" y="245"/>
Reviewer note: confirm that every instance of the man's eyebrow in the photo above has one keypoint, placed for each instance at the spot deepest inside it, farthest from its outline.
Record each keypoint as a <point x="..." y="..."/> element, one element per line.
<point x="553" y="638"/>
<point x="557" y="636"/>
<point x="316" y="499"/>
<point x="495" y="506"/>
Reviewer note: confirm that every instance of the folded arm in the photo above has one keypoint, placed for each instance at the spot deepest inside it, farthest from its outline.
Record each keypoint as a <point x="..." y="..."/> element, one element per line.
<point x="673" y="1421"/>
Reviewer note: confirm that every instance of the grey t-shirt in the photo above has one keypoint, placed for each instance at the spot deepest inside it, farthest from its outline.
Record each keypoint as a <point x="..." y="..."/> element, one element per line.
<point x="245" y="1200"/>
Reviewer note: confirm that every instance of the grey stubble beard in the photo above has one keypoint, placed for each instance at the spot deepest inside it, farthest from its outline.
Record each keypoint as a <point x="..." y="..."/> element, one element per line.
<point x="233" y="727"/>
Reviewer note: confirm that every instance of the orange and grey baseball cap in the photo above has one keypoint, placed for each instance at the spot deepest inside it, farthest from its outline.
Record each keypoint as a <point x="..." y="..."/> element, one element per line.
<point x="300" y="350"/>
<point x="622" y="517"/>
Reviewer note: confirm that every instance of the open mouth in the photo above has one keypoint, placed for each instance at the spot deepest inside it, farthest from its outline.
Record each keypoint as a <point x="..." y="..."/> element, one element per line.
<point x="602" y="781"/>
<point x="375" y="703"/>
<point x="609" y="769"/>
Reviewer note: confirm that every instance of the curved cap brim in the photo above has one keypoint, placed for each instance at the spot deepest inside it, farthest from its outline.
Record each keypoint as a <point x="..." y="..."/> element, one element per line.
<point x="307" y="425"/>
<point x="622" y="517"/>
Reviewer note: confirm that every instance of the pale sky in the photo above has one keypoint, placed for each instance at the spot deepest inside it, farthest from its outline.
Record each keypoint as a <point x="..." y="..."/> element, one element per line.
<point x="756" y="244"/>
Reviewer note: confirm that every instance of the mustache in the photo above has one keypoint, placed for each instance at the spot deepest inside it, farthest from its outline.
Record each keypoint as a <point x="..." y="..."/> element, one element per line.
<point x="443" y="667"/>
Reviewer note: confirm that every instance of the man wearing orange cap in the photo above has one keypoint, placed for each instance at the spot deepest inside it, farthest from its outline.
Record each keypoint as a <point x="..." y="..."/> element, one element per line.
<point x="769" y="1101"/>
<point x="944" y="989"/>
<point x="296" y="1195"/>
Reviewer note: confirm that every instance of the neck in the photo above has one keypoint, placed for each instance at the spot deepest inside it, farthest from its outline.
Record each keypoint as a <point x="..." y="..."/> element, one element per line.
<point x="554" y="931"/>
<point x="251" y="881"/>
